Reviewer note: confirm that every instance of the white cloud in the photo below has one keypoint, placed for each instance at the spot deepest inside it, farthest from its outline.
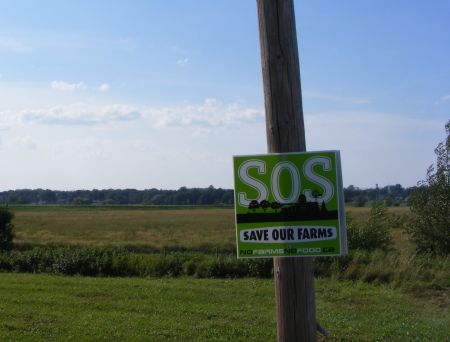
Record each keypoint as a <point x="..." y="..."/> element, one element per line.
<point x="13" y="45"/>
<point x="80" y="114"/>
<point x="378" y="148"/>
<point x="66" y="86"/>
<point x="8" y="119"/>
<point x="183" y="62"/>
<point x="25" y="142"/>
<point x="203" y="117"/>
<point x="61" y="85"/>
<point x="104" y="87"/>
<point x="211" y="113"/>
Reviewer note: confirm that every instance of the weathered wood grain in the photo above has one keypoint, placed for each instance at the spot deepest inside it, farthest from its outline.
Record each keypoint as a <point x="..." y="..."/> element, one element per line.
<point x="294" y="277"/>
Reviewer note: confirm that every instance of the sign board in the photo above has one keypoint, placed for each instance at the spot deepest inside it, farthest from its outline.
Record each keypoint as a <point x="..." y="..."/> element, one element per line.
<point x="289" y="204"/>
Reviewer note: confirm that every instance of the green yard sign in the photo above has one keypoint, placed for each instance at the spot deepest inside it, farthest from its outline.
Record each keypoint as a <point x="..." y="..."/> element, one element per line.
<point x="289" y="204"/>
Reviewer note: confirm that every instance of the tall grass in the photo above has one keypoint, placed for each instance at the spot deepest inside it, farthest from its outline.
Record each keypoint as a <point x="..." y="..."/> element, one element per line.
<point x="98" y="261"/>
<point x="144" y="228"/>
<point x="403" y="270"/>
<point x="150" y="229"/>
<point x="173" y="242"/>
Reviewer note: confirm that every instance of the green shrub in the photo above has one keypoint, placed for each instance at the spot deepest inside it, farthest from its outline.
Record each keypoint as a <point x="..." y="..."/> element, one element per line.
<point x="169" y="265"/>
<point x="430" y="205"/>
<point x="399" y="268"/>
<point x="374" y="233"/>
<point x="97" y="261"/>
<point x="222" y="267"/>
<point x="6" y="229"/>
<point x="261" y="268"/>
<point x="360" y="201"/>
<point x="191" y="265"/>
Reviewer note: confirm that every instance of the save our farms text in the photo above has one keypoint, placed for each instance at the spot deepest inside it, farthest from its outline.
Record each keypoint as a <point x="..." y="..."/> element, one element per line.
<point x="287" y="234"/>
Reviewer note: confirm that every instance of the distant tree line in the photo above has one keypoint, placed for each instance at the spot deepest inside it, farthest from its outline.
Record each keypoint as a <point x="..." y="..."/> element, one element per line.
<point x="182" y="196"/>
<point x="391" y="195"/>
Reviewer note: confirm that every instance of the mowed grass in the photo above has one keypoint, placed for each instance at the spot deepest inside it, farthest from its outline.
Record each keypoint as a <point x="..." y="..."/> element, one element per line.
<point x="46" y="308"/>
<point x="141" y="226"/>
<point x="154" y="228"/>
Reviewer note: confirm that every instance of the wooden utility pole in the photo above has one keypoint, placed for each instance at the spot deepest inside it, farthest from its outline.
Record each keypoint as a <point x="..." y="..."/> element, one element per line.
<point x="294" y="277"/>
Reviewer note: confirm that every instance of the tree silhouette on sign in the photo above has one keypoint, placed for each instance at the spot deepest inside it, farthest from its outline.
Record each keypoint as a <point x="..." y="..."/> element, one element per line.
<point x="275" y="206"/>
<point x="253" y="205"/>
<point x="303" y="209"/>
<point x="264" y="205"/>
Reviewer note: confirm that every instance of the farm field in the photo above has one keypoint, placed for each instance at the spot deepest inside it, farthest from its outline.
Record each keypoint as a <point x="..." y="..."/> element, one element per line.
<point x="191" y="228"/>
<point x="44" y="307"/>
<point x="136" y="226"/>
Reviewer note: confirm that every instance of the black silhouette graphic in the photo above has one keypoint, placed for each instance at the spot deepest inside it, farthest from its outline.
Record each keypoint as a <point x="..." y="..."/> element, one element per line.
<point x="302" y="210"/>
<point x="253" y="205"/>
<point x="264" y="205"/>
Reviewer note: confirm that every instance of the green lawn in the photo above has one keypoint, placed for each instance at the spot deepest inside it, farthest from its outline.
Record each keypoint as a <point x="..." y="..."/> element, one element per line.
<point x="45" y="308"/>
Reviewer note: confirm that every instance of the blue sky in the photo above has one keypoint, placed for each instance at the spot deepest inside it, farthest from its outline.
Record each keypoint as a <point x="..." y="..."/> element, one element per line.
<point x="140" y="94"/>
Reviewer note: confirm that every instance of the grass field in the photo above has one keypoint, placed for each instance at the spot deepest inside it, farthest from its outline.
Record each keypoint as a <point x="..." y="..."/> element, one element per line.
<point x="149" y="227"/>
<point x="46" y="308"/>
<point x="134" y="226"/>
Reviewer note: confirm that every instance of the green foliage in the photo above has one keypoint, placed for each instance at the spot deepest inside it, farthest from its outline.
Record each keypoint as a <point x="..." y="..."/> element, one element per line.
<point x="392" y="194"/>
<point x="409" y="271"/>
<point x="372" y="233"/>
<point x="392" y="201"/>
<point x="97" y="261"/>
<point x="182" y="196"/>
<point x="430" y="205"/>
<point x="6" y="229"/>
<point x="360" y="201"/>
<point x="223" y="267"/>
<point x="360" y="265"/>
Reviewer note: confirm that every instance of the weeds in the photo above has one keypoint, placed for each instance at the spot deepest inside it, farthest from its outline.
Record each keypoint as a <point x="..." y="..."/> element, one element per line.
<point x="372" y="233"/>
<point x="98" y="261"/>
<point x="378" y="266"/>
